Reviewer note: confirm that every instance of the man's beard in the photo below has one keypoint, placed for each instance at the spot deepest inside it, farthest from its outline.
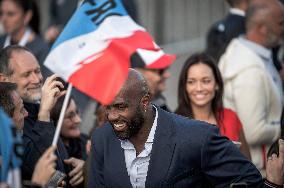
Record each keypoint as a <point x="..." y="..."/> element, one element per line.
<point x="32" y="97"/>
<point x="133" y="126"/>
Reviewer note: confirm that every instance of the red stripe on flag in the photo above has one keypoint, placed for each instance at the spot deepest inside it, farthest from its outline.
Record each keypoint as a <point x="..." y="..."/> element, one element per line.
<point x="103" y="77"/>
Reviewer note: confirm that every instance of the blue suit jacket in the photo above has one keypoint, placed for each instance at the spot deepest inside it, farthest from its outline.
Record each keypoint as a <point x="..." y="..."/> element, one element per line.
<point x="185" y="153"/>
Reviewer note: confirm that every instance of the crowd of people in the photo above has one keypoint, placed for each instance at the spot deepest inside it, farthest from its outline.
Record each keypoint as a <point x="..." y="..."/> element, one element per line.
<point x="225" y="131"/>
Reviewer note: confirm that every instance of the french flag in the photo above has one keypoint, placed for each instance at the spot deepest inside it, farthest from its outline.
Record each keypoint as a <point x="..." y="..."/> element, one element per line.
<point x="94" y="50"/>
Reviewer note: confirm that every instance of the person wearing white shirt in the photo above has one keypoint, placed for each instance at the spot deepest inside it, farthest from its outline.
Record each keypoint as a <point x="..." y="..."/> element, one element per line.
<point x="253" y="88"/>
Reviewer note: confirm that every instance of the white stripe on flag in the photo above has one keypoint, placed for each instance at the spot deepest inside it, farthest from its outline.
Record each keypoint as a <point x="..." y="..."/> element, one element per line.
<point x="150" y="56"/>
<point x="79" y="48"/>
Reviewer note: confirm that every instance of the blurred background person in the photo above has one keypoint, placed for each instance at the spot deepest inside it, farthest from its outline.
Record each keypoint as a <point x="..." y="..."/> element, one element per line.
<point x="253" y="87"/>
<point x="278" y="55"/>
<point x="223" y="31"/>
<point x="73" y="139"/>
<point x="200" y="97"/>
<point x="100" y="115"/>
<point x="74" y="142"/>
<point x="156" y="81"/>
<point x="21" y="21"/>
<point x="12" y="104"/>
<point x="58" y="18"/>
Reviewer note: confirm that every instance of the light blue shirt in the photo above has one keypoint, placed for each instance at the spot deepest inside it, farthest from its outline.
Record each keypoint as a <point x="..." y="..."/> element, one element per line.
<point x="137" y="166"/>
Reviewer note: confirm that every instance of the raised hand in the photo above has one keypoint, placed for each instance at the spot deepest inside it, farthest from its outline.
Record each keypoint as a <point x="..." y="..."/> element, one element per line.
<point x="45" y="167"/>
<point x="275" y="166"/>
<point x="77" y="173"/>
<point x="51" y="91"/>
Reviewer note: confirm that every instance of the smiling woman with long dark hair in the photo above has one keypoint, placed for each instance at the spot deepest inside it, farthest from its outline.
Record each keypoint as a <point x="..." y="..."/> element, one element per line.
<point x="200" y="92"/>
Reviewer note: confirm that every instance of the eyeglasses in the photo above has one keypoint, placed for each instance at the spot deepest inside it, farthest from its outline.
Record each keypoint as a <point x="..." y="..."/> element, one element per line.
<point x="71" y="115"/>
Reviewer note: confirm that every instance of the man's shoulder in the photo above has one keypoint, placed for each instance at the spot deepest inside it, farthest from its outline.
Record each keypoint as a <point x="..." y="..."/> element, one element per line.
<point x="183" y="125"/>
<point x="228" y="24"/>
<point x="239" y="57"/>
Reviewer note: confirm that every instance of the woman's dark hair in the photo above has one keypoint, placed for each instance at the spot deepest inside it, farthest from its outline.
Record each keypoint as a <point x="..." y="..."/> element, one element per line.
<point x="30" y="5"/>
<point x="184" y="105"/>
<point x="55" y="112"/>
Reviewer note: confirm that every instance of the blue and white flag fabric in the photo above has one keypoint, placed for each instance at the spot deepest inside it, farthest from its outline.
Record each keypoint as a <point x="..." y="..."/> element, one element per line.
<point x="94" y="50"/>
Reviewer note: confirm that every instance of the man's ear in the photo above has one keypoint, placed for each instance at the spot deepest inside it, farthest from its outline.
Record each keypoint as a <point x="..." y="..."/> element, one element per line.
<point x="4" y="78"/>
<point x="145" y="100"/>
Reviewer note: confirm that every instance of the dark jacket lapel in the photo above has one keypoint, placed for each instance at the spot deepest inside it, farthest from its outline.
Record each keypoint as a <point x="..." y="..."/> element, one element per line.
<point x="162" y="151"/>
<point x="120" y="176"/>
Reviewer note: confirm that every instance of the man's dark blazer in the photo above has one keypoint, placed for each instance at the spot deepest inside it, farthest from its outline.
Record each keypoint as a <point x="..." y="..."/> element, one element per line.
<point x="185" y="153"/>
<point x="222" y="32"/>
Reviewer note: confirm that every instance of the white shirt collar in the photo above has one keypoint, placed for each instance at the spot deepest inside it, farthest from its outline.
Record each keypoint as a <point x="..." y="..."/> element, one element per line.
<point x="237" y="11"/>
<point x="23" y="41"/>
<point x="153" y="129"/>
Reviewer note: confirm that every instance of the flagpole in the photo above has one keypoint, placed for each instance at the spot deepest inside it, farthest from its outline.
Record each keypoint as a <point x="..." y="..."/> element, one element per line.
<point x="62" y="113"/>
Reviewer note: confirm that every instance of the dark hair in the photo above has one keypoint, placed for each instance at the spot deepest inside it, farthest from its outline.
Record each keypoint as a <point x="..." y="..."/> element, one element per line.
<point x="5" y="56"/>
<point x="30" y="5"/>
<point x="6" y="99"/>
<point x="55" y="112"/>
<point x="184" y="105"/>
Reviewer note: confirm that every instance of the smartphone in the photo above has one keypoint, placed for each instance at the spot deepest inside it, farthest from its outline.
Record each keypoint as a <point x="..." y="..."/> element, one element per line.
<point x="56" y="179"/>
<point x="238" y="185"/>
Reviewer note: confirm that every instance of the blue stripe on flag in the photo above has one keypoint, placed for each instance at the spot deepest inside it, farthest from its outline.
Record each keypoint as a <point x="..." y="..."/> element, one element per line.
<point x="88" y="18"/>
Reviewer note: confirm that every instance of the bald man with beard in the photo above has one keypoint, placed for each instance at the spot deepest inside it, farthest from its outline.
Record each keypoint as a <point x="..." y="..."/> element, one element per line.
<point x="145" y="146"/>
